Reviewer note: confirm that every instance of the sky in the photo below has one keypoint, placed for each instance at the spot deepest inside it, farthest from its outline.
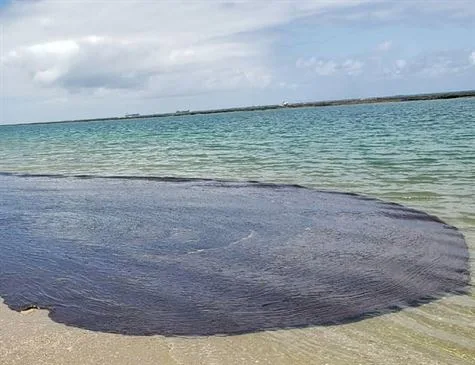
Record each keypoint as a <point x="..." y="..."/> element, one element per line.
<point x="62" y="60"/>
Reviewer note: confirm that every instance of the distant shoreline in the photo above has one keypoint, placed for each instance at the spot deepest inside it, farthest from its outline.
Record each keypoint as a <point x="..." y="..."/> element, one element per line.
<point x="373" y="100"/>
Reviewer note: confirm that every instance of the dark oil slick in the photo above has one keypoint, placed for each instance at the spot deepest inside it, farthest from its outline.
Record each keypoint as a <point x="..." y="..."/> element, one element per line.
<point x="195" y="257"/>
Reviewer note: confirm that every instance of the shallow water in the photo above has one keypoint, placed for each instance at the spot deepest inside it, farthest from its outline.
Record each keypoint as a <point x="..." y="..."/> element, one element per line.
<point x="420" y="154"/>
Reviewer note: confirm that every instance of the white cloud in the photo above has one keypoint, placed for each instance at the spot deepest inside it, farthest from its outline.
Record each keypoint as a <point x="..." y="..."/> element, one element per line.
<point x="428" y="65"/>
<point x="326" y="68"/>
<point x="78" y="46"/>
<point x="352" y="67"/>
<point x="45" y="62"/>
<point x="400" y="64"/>
<point x="349" y="67"/>
<point x="287" y="85"/>
<point x="57" y="48"/>
<point x="395" y="70"/>
<point x="47" y="76"/>
<point x="58" y="44"/>
<point x="303" y="63"/>
<point x="385" y="46"/>
<point x="437" y="64"/>
<point x="472" y="58"/>
<point x="98" y="62"/>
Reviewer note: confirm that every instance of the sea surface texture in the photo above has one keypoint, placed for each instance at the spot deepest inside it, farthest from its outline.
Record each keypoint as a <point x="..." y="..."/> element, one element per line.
<point x="419" y="154"/>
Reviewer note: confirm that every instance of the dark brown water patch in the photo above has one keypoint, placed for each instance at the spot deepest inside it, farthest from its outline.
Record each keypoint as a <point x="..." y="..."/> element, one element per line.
<point x="199" y="257"/>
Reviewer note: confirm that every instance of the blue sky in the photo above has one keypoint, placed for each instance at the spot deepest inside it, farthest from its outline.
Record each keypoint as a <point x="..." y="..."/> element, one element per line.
<point x="70" y="60"/>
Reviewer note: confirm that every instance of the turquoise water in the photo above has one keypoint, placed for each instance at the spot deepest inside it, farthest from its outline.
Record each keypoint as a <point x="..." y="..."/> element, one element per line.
<point x="421" y="154"/>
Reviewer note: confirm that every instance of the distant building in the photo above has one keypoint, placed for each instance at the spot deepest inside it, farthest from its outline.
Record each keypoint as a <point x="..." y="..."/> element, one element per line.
<point x="284" y="103"/>
<point x="179" y="112"/>
<point x="132" y="115"/>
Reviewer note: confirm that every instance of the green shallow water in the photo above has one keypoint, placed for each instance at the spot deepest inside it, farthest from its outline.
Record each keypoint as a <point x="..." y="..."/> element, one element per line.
<point x="421" y="154"/>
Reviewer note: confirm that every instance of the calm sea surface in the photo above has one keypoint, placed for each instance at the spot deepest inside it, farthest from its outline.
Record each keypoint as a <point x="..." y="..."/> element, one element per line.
<point x="420" y="154"/>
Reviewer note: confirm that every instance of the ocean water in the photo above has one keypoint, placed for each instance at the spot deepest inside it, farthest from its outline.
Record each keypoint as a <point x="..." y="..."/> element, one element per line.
<point x="420" y="154"/>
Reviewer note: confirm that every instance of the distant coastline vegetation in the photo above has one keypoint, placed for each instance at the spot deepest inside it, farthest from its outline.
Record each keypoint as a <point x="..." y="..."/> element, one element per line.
<point x="285" y="105"/>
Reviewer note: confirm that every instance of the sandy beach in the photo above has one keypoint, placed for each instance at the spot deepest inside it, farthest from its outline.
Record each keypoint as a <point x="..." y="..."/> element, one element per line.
<point x="398" y="338"/>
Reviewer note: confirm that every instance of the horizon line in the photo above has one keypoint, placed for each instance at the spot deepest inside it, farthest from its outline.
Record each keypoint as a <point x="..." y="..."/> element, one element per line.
<point x="283" y="105"/>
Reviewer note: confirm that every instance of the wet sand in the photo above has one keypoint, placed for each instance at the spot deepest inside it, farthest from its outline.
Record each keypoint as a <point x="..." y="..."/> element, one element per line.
<point x="431" y="334"/>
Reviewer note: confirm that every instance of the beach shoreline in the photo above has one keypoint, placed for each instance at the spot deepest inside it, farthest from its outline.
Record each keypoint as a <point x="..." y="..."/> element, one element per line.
<point x="32" y="338"/>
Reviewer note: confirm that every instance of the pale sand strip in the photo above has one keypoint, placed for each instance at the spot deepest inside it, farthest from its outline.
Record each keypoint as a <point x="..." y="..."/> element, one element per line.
<point x="32" y="338"/>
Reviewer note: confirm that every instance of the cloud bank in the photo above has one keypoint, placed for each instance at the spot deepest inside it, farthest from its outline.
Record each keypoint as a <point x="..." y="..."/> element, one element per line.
<point x="142" y="45"/>
<point x="424" y="65"/>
